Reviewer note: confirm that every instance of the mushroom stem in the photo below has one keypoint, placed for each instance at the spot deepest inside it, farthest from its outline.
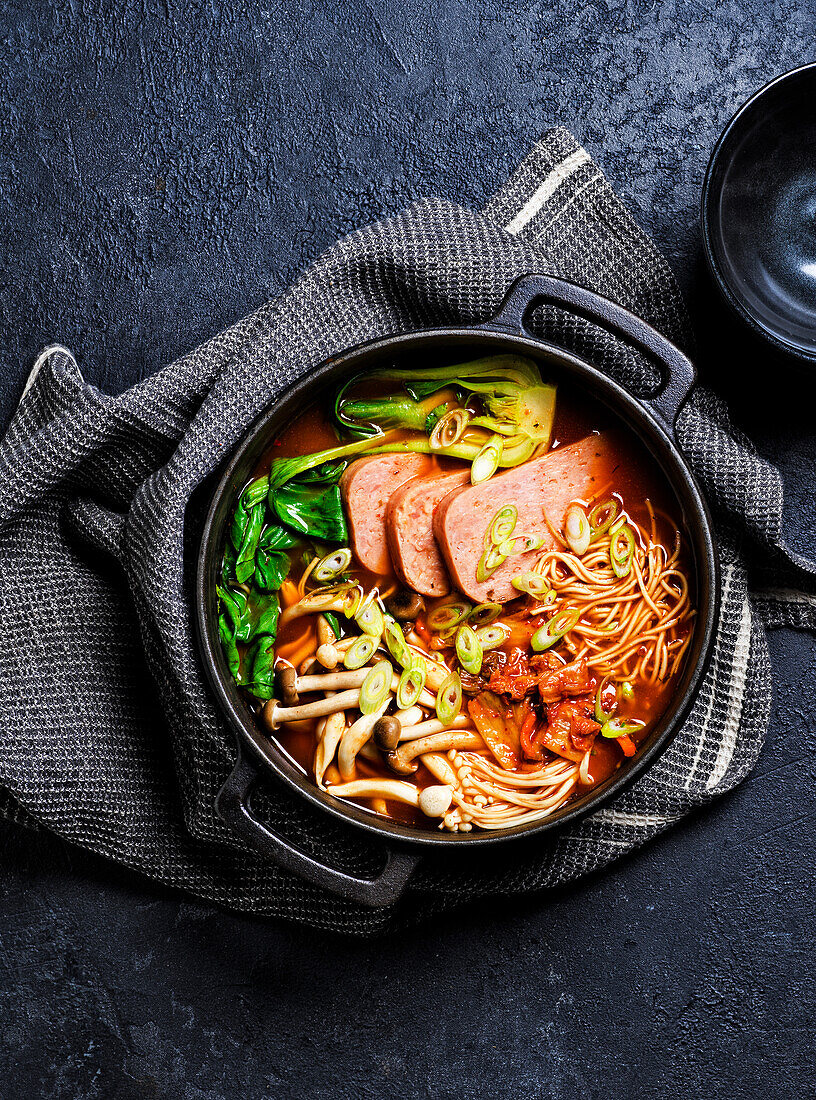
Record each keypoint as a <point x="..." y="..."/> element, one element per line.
<point x="433" y="725"/>
<point x="409" y="717"/>
<point x="332" y="681"/>
<point x="394" y="789"/>
<point x="356" y="736"/>
<point x="333" y="728"/>
<point x="437" y="742"/>
<point x="440" y="768"/>
<point x="275" y="715"/>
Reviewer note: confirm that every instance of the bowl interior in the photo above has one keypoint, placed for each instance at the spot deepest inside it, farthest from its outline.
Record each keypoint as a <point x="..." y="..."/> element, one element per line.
<point x="759" y="211"/>
<point x="425" y="347"/>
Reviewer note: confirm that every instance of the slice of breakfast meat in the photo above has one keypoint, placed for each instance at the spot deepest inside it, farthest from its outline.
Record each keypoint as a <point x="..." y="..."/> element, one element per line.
<point x="540" y="490"/>
<point x="409" y="529"/>
<point x="366" y="487"/>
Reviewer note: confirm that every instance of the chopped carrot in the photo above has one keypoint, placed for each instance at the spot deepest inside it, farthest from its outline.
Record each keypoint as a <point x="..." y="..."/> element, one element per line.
<point x="628" y="746"/>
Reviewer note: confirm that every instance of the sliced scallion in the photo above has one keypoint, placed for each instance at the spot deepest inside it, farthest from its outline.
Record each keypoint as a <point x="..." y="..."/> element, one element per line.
<point x="375" y="687"/>
<point x="447" y="615"/>
<point x="410" y="686"/>
<point x="469" y="649"/>
<point x="553" y="631"/>
<point x="502" y="525"/>
<point x="449" y="428"/>
<point x="449" y="699"/>
<point x="487" y="460"/>
<point x="520" y="544"/>
<point x="626" y="690"/>
<point x="600" y="714"/>
<point x="621" y="727"/>
<point x="368" y="616"/>
<point x="360" y="651"/>
<point x="489" y="562"/>
<point x="332" y="565"/>
<point x="484" y="613"/>
<point x="492" y="636"/>
<point x="395" y="642"/>
<point x="577" y="530"/>
<point x="621" y="549"/>
<point x="601" y="517"/>
<point x="533" y="584"/>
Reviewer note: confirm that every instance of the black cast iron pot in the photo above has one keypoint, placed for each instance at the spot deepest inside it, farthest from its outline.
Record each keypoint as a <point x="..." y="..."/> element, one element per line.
<point x="652" y="420"/>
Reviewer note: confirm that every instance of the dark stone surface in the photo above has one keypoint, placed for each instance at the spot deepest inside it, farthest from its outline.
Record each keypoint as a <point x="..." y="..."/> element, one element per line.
<point x="165" y="168"/>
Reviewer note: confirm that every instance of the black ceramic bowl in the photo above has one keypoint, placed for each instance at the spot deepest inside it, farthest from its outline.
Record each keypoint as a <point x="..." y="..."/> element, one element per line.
<point x="652" y="420"/>
<point x="759" y="212"/>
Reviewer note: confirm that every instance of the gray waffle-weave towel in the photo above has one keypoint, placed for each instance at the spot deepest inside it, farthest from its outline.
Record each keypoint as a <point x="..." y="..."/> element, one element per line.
<point x="109" y="735"/>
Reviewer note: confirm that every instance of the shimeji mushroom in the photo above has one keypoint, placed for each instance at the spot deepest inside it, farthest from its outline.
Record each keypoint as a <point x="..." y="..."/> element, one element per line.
<point x="433" y="725"/>
<point x="290" y="686"/>
<point x="356" y="736"/>
<point x="403" y="759"/>
<point x="330" y="733"/>
<point x="328" y="656"/>
<point x="338" y="597"/>
<point x="432" y="801"/>
<point x="275" y="715"/>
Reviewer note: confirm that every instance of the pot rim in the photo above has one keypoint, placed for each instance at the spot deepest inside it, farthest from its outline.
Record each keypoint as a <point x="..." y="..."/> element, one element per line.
<point x="268" y="757"/>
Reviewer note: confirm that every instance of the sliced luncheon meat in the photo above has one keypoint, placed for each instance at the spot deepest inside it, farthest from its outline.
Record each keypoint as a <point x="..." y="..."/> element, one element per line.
<point x="366" y="486"/>
<point x="540" y="488"/>
<point x="409" y="529"/>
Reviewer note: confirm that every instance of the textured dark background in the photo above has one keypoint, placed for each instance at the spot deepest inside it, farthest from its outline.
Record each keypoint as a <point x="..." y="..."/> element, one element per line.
<point x="164" y="168"/>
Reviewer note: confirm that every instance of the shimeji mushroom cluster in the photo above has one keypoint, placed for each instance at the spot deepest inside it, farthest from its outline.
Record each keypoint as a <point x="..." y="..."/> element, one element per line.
<point x="365" y="710"/>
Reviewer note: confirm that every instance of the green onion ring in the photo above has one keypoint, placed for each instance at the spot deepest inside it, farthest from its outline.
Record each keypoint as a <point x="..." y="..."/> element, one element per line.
<point x="487" y="460"/>
<point x="489" y="562"/>
<point x="368" y="616"/>
<point x="555" y="629"/>
<point x="620" y="557"/>
<point x="449" y="428"/>
<point x="502" y="525"/>
<point x="449" y="699"/>
<point x="395" y="642"/>
<point x="447" y="615"/>
<point x="375" y="687"/>
<point x="410" y="686"/>
<point x="600" y="714"/>
<point x="602" y="516"/>
<point x="521" y="544"/>
<point x="484" y="613"/>
<point x="360" y="651"/>
<point x="329" y="567"/>
<point x="469" y="650"/>
<point x="533" y="584"/>
<point x="621" y="727"/>
<point x="492" y="636"/>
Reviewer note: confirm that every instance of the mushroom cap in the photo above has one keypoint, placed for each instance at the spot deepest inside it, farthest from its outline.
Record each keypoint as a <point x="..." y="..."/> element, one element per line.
<point x="405" y="604"/>
<point x="328" y="656"/>
<point x="387" y="732"/>
<point x="435" y="801"/>
<point x="286" y="684"/>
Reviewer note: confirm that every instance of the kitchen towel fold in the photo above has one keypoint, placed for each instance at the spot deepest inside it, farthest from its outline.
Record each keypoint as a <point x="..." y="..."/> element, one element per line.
<point x="110" y="737"/>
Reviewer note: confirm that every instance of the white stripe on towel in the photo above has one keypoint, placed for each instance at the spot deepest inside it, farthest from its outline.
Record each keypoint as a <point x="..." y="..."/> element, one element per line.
<point x="736" y="693"/>
<point x="547" y="189"/>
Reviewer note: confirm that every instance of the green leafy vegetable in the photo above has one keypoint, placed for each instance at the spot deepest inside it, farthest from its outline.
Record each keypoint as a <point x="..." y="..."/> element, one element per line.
<point x="314" y="512"/>
<point x="271" y="567"/>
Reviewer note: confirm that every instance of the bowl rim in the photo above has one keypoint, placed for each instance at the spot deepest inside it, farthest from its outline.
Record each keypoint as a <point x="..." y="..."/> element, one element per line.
<point x="707" y="218"/>
<point x="635" y="415"/>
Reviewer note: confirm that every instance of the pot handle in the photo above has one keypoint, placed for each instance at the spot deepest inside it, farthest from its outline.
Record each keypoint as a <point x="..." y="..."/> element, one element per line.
<point x="678" y="372"/>
<point x="232" y="804"/>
